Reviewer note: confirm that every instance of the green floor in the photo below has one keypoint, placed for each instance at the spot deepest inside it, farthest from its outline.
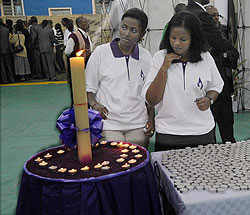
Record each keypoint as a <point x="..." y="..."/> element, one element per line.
<point x="28" y="118"/>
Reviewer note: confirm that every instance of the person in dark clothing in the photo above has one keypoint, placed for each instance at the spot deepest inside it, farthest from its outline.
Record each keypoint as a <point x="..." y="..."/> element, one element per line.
<point x="46" y="40"/>
<point x="217" y="44"/>
<point x="222" y="108"/>
<point x="36" y="56"/>
<point x="9" y="25"/>
<point x="59" y="47"/>
<point x="6" y="63"/>
<point x="211" y="33"/>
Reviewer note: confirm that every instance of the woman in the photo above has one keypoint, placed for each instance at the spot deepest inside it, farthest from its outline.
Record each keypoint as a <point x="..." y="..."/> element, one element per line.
<point x="21" y="63"/>
<point x="182" y="83"/>
<point x="115" y="75"/>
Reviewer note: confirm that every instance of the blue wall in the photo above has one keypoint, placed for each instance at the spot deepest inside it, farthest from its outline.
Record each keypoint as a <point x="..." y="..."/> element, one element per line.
<point x="40" y="7"/>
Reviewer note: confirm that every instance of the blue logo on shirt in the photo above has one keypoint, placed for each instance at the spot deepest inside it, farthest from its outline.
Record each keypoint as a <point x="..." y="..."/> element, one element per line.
<point x="200" y="84"/>
<point x="142" y="75"/>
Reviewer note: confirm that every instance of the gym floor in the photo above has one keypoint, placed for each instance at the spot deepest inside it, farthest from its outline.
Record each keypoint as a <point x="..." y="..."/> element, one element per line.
<point x="28" y="125"/>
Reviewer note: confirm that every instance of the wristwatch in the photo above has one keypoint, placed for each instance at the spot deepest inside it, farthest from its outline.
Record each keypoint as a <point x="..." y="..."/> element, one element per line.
<point x="211" y="100"/>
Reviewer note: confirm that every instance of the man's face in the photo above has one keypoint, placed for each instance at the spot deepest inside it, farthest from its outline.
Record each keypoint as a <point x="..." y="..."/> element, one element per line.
<point x="215" y="14"/>
<point x="84" y="25"/>
<point x="63" y="23"/>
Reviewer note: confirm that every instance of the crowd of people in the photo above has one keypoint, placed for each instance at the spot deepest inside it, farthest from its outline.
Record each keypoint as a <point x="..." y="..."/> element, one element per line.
<point x="188" y="81"/>
<point x="41" y="50"/>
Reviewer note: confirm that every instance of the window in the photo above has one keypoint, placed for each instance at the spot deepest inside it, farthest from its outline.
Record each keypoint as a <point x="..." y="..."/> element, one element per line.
<point x="12" y="7"/>
<point x="102" y="6"/>
<point x="60" y="11"/>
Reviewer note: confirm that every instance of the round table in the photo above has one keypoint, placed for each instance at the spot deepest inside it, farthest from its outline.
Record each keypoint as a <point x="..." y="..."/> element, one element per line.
<point x="131" y="192"/>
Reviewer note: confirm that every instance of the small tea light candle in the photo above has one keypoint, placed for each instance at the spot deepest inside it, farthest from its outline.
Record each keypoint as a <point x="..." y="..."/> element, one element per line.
<point x="48" y="156"/>
<point x="62" y="170"/>
<point x="120" y="145"/>
<point x="113" y="144"/>
<point x="124" y="150"/>
<point x="123" y="155"/>
<point x="38" y="160"/>
<point x="98" y="166"/>
<point x="105" y="168"/>
<point x="53" y="168"/>
<point x="125" y="145"/>
<point x="96" y="145"/>
<point x="132" y="147"/>
<point x="119" y="160"/>
<point x="135" y="151"/>
<point x="104" y="163"/>
<point x="126" y="166"/>
<point x="138" y="156"/>
<point x="43" y="164"/>
<point x="72" y="171"/>
<point x="60" y="152"/>
<point x="103" y="142"/>
<point x="132" y="161"/>
<point x="85" y="169"/>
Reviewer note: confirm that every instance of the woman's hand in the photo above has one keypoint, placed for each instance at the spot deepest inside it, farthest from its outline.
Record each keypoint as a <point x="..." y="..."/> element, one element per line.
<point x="169" y="59"/>
<point x="101" y="109"/>
<point x="203" y="103"/>
<point x="149" y="129"/>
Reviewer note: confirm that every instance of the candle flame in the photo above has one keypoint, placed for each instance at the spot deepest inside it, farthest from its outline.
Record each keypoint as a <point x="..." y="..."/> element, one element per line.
<point x="79" y="53"/>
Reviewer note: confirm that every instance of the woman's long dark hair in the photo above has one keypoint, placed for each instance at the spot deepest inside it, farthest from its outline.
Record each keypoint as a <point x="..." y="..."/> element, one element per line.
<point x="191" y="23"/>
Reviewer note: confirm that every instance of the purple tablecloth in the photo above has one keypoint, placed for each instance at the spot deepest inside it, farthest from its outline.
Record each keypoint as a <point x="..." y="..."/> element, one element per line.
<point x="132" y="192"/>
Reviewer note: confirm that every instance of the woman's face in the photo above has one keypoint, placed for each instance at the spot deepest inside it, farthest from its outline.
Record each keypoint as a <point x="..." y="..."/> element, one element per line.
<point x="180" y="40"/>
<point x="130" y="32"/>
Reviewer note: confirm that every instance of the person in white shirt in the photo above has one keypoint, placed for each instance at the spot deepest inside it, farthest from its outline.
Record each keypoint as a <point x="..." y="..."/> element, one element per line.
<point x="79" y="40"/>
<point x="183" y="82"/>
<point x="66" y="23"/>
<point x="115" y="75"/>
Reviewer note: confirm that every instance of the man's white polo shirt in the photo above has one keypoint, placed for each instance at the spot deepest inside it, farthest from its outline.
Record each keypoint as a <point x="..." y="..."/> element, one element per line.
<point x="117" y="81"/>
